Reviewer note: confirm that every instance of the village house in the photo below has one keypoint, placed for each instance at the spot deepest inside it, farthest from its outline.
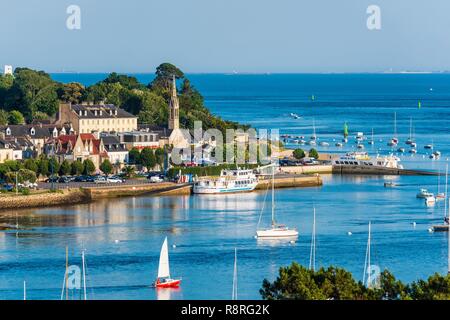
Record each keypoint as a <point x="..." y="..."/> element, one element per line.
<point x="6" y="151"/>
<point x="78" y="148"/>
<point x="86" y="118"/>
<point x="116" y="150"/>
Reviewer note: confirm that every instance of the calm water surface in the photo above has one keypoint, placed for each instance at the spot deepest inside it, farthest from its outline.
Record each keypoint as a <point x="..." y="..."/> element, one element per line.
<point x="122" y="237"/>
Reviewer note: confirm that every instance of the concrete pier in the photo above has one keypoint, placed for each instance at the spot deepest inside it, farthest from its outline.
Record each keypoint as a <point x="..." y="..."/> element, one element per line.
<point x="290" y="181"/>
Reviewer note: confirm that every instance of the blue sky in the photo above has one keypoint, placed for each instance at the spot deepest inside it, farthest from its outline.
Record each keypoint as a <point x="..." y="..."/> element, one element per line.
<point x="226" y="35"/>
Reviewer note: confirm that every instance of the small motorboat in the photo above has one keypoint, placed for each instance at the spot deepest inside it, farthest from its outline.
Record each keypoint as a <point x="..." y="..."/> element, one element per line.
<point x="414" y="151"/>
<point x="401" y="150"/>
<point x="324" y="144"/>
<point x="437" y="154"/>
<point x="413" y="145"/>
<point x="440" y="196"/>
<point x="428" y="146"/>
<point x="409" y="141"/>
<point x="338" y="144"/>
<point x="430" y="201"/>
<point x="345" y="140"/>
<point x="360" y="146"/>
<point x="424" y="193"/>
<point x="311" y="142"/>
<point x="389" y="184"/>
<point x="392" y="143"/>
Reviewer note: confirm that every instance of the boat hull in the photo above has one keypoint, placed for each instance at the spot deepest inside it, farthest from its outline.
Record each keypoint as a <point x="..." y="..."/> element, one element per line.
<point x="170" y="283"/>
<point x="276" y="234"/>
<point x="206" y="190"/>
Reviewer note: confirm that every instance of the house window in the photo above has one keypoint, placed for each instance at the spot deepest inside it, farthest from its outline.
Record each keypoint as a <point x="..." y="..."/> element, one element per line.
<point x="8" y="131"/>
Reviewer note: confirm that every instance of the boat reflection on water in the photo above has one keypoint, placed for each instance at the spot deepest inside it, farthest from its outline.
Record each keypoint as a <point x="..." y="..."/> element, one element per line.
<point x="276" y="242"/>
<point x="168" y="293"/>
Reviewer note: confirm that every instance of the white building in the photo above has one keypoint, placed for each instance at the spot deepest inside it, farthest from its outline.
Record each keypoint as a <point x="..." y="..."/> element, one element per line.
<point x="8" y="70"/>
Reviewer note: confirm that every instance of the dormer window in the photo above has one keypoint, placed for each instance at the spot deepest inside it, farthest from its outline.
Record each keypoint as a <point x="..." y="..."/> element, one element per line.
<point x="55" y="133"/>
<point x="115" y="112"/>
<point x="32" y="132"/>
<point x="85" y="112"/>
<point x="80" y="113"/>
<point x="95" y="112"/>
<point x="110" y="112"/>
<point x="8" y="131"/>
<point x="101" y="112"/>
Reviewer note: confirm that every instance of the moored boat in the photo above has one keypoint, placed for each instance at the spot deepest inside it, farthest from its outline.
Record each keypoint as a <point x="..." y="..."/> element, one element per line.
<point x="229" y="181"/>
<point x="276" y="231"/>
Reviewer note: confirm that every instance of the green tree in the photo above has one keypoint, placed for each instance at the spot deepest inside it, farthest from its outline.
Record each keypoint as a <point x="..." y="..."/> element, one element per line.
<point x="22" y="176"/>
<point x="154" y="109"/>
<point x="148" y="158"/>
<point x="3" y="117"/>
<point x="43" y="167"/>
<point x="77" y="168"/>
<point x="32" y="165"/>
<point x="65" y="169"/>
<point x="128" y="171"/>
<point x="106" y="167"/>
<point x="16" y="117"/>
<point x="53" y="166"/>
<point x="437" y="287"/>
<point x="134" y="156"/>
<point x="72" y="92"/>
<point x="164" y="74"/>
<point x="4" y="169"/>
<point x="13" y="165"/>
<point x="39" y="115"/>
<point x="32" y="91"/>
<point x="298" y="153"/>
<point x="313" y="153"/>
<point x="159" y="157"/>
<point x="297" y="282"/>
<point x="89" y="167"/>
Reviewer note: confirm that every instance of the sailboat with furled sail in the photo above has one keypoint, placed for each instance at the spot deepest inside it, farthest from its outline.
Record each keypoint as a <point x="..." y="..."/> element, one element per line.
<point x="164" y="280"/>
<point x="276" y="231"/>
<point x="394" y="139"/>
<point x="345" y="133"/>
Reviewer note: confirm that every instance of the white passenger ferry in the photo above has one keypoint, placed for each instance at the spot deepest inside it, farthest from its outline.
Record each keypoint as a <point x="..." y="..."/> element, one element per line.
<point x="363" y="159"/>
<point x="229" y="181"/>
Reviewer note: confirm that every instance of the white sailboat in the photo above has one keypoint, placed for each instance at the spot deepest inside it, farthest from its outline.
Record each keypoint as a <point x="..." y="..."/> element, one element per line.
<point x="394" y="139"/>
<point x="164" y="280"/>
<point x="313" y="138"/>
<point x="276" y="231"/>
<point x="445" y="226"/>
<point x="410" y="138"/>
<point x="371" y="141"/>
<point x="234" y="294"/>
<point x="367" y="262"/>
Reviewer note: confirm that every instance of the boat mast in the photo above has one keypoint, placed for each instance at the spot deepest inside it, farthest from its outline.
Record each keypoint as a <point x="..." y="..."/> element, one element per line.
<point x="395" y="124"/>
<point x="24" y="290"/>
<point x="67" y="273"/>
<point x="367" y="261"/>
<point x="273" y="196"/>
<point x="410" y="128"/>
<point x="445" y="195"/>
<point x="312" y="255"/>
<point x="234" y="293"/>
<point x="84" y="275"/>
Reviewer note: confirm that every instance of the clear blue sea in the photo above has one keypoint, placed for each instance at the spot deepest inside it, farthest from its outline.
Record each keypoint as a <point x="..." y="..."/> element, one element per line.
<point x="122" y="237"/>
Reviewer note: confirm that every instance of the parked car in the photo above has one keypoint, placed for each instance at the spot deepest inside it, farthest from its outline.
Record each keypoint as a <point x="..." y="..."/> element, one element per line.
<point x="100" y="179"/>
<point x="8" y="187"/>
<point x="63" y="179"/>
<point x="114" y="179"/>
<point x="155" y="177"/>
<point x="80" y="179"/>
<point x="30" y="185"/>
<point x="52" y="179"/>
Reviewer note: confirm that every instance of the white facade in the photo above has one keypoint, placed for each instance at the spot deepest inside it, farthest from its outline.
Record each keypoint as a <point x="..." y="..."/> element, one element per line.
<point x="118" y="157"/>
<point x="8" y="70"/>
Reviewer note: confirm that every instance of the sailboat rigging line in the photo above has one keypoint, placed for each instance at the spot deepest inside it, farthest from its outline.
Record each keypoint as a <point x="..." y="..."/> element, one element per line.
<point x="263" y="206"/>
